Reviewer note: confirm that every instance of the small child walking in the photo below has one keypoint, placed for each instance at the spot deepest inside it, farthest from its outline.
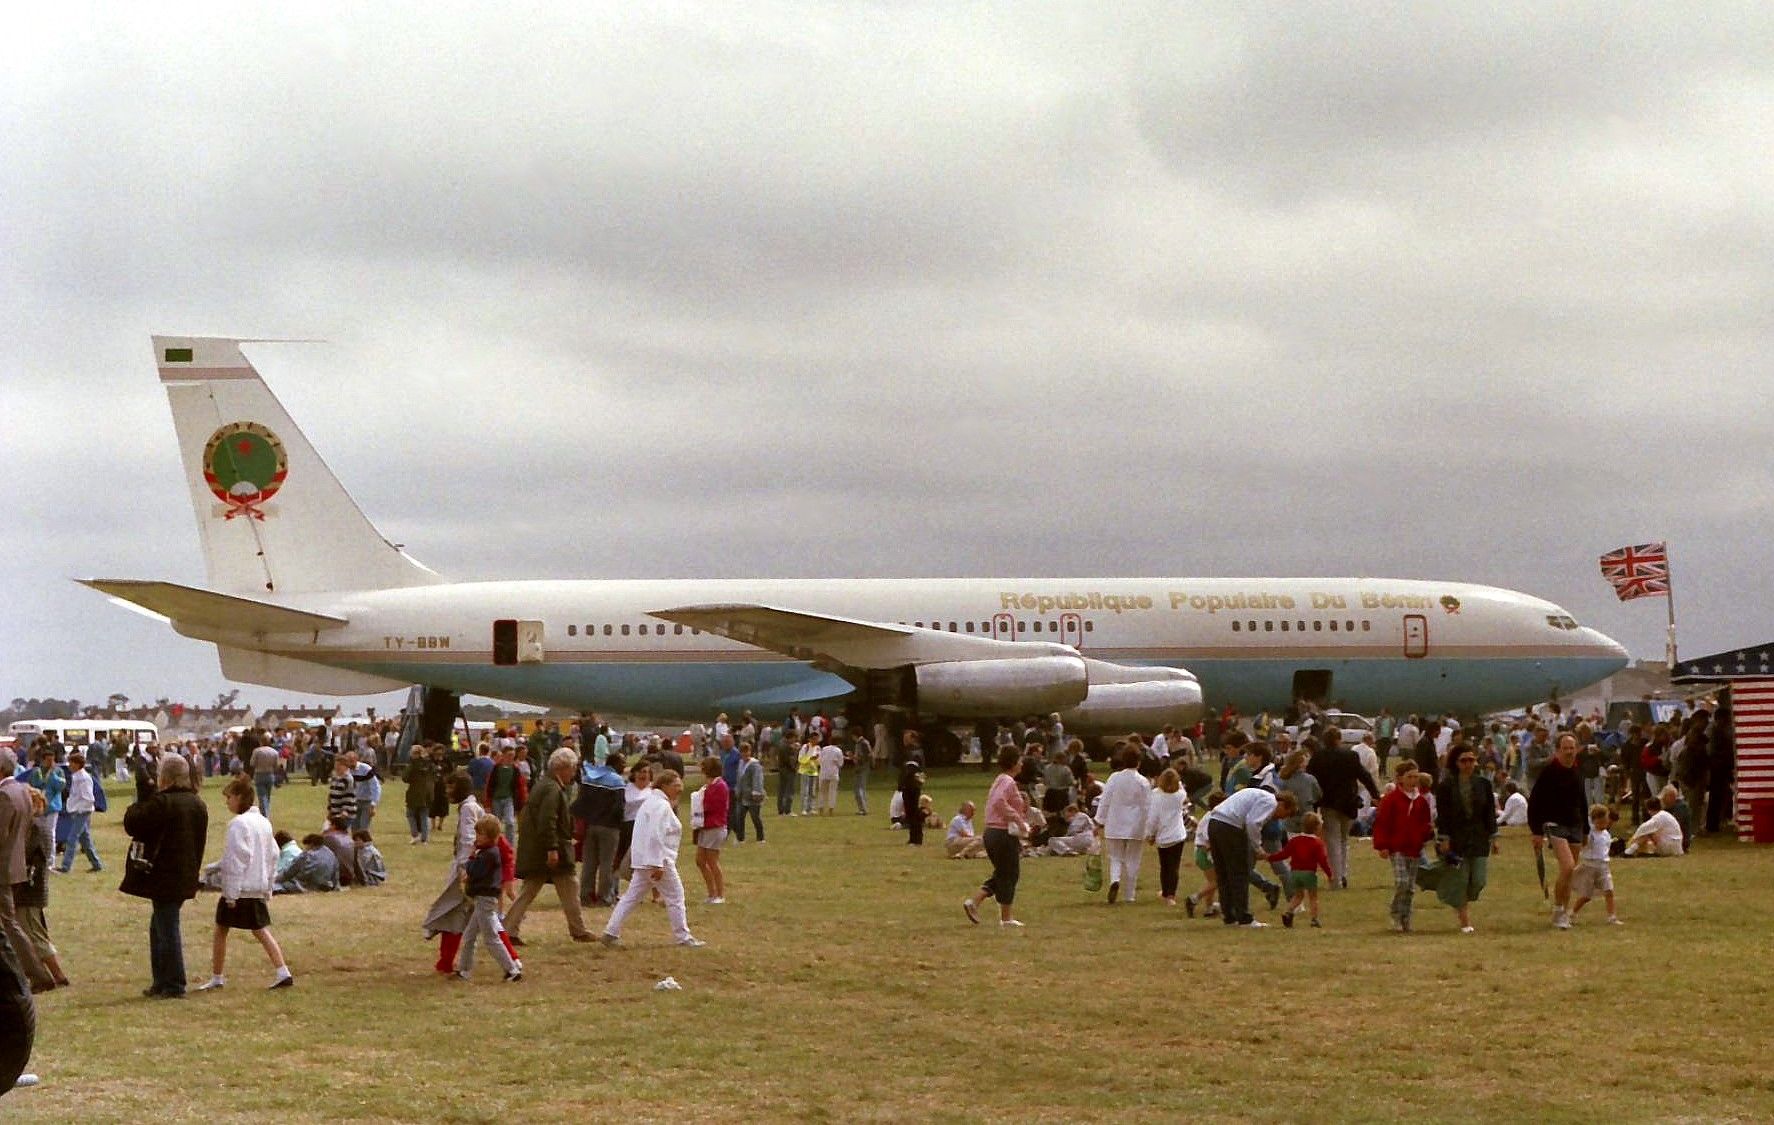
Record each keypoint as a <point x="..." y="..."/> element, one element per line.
<point x="481" y="883"/>
<point x="1593" y="872"/>
<point x="1210" y="886"/>
<point x="1306" y="857"/>
<point x="1402" y="826"/>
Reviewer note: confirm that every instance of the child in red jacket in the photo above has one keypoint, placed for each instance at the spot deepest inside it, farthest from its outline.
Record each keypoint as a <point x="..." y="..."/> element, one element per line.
<point x="1402" y="827"/>
<point x="1306" y="857"/>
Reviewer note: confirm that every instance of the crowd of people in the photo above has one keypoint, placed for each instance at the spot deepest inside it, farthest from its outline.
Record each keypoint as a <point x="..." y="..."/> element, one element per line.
<point x="597" y="817"/>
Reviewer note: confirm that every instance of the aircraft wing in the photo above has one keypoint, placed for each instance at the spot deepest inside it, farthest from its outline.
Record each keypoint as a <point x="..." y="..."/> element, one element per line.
<point x="189" y="605"/>
<point x="843" y="642"/>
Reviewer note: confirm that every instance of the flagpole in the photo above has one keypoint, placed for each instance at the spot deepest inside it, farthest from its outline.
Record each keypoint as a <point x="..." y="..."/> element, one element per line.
<point x="1669" y="645"/>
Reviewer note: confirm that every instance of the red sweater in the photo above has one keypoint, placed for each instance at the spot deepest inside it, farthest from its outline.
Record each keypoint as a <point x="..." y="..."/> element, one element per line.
<point x="715" y="801"/>
<point x="1402" y="823"/>
<point x="1304" y="852"/>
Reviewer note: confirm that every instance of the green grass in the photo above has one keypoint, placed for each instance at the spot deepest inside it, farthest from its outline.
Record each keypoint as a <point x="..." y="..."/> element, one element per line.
<point x="842" y="983"/>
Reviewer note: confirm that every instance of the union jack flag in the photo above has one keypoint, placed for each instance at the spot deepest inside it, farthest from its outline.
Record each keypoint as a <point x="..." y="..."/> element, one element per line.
<point x="1638" y="572"/>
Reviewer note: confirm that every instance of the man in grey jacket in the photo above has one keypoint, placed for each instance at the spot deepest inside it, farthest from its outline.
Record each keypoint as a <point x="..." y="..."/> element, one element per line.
<point x="16" y="826"/>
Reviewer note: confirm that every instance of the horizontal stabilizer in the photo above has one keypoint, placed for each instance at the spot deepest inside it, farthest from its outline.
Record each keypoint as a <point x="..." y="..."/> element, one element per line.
<point x="189" y="605"/>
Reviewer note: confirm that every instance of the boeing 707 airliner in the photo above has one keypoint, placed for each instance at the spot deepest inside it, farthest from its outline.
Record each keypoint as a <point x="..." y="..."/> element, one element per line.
<point x="303" y="593"/>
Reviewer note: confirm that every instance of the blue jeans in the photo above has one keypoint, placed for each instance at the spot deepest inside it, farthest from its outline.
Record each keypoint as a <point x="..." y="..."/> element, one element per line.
<point x="505" y="808"/>
<point x="79" y="836"/>
<point x="166" y="947"/>
<point x="360" y="820"/>
<point x="807" y="784"/>
<point x="862" y="791"/>
<point x="419" y="823"/>
<point x="263" y="783"/>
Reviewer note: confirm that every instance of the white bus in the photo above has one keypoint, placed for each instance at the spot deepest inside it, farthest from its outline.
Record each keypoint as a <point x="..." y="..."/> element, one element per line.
<point x="73" y="733"/>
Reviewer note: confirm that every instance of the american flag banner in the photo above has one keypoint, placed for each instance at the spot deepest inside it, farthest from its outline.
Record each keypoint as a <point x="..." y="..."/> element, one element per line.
<point x="1638" y="572"/>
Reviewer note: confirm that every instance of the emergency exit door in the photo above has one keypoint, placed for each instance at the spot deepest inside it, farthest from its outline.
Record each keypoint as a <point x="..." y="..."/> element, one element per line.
<point x="1071" y="630"/>
<point x="1416" y="636"/>
<point x="1003" y="627"/>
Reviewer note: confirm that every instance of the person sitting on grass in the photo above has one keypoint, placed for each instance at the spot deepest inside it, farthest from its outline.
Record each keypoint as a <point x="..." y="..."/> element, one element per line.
<point x="337" y="838"/>
<point x="1515" y="807"/>
<point x="1080" y="834"/>
<point x="962" y="841"/>
<point x="1660" y="834"/>
<point x="316" y="869"/>
<point x="1671" y="798"/>
<point x="367" y="861"/>
<point x="1306" y="857"/>
<point x="287" y="851"/>
<point x="249" y="868"/>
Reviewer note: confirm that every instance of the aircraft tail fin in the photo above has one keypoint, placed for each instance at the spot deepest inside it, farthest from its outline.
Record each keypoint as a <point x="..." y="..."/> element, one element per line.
<point x="271" y="515"/>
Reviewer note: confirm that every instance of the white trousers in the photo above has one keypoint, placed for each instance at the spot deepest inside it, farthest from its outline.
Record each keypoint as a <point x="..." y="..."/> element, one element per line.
<point x="1124" y="863"/>
<point x="647" y="880"/>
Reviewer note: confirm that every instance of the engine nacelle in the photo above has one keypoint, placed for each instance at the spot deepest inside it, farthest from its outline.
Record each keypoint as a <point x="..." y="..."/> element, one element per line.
<point x="1145" y="706"/>
<point x="988" y="689"/>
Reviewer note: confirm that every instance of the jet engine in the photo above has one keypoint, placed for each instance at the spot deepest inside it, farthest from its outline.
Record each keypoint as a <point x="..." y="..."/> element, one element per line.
<point x="1123" y="699"/>
<point x="1027" y="685"/>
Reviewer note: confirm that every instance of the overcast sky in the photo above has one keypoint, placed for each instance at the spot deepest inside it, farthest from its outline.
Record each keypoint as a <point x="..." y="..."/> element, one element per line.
<point x="889" y="290"/>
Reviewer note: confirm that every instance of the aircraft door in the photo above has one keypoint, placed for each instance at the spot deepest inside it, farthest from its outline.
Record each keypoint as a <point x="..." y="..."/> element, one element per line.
<point x="1003" y="627"/>
<point x="1416" y="636"/>
<point x="1071" y="630"/>
<point x="517" y="642"/>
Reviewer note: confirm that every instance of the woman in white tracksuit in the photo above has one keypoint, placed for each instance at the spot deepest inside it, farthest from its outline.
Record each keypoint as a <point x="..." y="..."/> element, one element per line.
<point x="1121" y="814"/>
<point x="654" y="855"/>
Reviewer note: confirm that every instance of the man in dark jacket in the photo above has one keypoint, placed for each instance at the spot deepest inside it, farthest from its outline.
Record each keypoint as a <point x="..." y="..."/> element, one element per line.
<point x="545" y="847"/>
<point x="1559" y="818"/>
<point x="170" y="827"/>
<point x="1339" y="771"/>
<point x="600" y="805"/>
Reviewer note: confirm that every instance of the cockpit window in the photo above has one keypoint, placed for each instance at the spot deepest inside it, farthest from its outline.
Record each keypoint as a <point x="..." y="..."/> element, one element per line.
<point x="1561" y="621"/>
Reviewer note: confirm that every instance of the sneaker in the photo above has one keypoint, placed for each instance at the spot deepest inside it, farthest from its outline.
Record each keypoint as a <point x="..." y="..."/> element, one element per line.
<point x="459" y="975"/>
<point x="1315" y="924"/>
<point x="715" y="901"/>
<point x="692" y="943"/>
<point x="1212" y="911"/>
<point x="1561" y="920"/>
<point x="1253" y="924"/>
<point x="1009" y="923"/>
<point x="1273" y="894"/>
<point x="1287" y="919"/>
<point x="514" y="976"/>
<point x="211" y="985"/>
<point x="283" y="982"/>
<point x="1466" y="929"/>
<point x="610" y="941"/>
<point x="1614" y="920"/>
<point x="412" y="840"/>
<point x="1114" y="890"/>
<point x="1189" y="905"/>
<point x="967" y="905"/>
<point x="1397" y="926"/>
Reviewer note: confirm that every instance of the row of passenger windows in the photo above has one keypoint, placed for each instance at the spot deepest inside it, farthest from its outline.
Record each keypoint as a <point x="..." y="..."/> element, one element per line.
<point x="623" y="630"/>
<point x="1300" y="626"/>
<point x="986" y="626"/>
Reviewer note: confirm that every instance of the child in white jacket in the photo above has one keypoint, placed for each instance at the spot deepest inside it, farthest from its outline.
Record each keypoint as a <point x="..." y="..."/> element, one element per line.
<point x="248" y="872"/>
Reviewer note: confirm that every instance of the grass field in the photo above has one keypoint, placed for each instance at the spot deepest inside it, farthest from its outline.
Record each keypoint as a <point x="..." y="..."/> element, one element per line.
<point x="841" y="982"/>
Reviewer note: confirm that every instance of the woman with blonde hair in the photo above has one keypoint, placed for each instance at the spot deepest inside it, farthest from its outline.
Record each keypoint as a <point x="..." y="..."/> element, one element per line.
<point x="1167" y="828"/>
